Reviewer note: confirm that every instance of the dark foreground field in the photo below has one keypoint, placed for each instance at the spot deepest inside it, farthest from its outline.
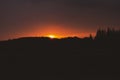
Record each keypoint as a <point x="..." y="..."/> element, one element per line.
<point x="61" y="59"/>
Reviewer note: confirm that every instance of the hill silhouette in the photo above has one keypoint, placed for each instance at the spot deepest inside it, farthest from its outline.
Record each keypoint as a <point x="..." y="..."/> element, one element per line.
<point x="69" y="58"/>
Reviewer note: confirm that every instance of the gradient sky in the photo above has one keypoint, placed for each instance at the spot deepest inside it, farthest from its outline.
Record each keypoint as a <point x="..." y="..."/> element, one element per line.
<point x="20" y="18"/>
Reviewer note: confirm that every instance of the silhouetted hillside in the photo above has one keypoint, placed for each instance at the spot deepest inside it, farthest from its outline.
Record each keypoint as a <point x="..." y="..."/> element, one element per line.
<point x="68" y="58"/>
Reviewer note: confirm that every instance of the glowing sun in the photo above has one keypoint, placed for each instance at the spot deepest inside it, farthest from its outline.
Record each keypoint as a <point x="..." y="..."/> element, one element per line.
<point x="52" y="36"/>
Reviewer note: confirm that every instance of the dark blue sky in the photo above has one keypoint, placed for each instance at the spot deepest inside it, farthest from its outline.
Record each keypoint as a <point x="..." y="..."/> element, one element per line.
<point x="24" y="17"/>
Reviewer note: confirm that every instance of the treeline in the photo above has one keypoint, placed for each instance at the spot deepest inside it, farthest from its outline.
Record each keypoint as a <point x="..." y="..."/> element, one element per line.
<point x="109" y="33"/>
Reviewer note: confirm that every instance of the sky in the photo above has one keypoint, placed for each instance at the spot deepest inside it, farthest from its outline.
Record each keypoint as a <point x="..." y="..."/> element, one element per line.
<point x="22" y="18"/>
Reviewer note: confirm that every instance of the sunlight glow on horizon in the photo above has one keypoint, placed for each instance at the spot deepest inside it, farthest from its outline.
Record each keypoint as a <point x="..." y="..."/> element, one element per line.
<point x="52" y="31"/>
<point x="60" y="31"/>
<point x="52" y="36"/>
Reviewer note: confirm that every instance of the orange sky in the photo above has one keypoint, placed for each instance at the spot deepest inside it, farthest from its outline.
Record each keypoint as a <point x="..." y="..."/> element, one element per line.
<point x="59" y="31"/>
